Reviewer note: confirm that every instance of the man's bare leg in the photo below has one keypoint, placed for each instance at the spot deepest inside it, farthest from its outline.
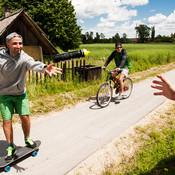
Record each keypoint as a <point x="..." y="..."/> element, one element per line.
<point x="25" y="122"/>
<point x="122" y="76"/>
<point x="8" y="130"/>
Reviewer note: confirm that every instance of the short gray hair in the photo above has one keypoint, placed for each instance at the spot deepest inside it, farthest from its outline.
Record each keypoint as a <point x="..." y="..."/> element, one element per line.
<point x="13" y="35"/>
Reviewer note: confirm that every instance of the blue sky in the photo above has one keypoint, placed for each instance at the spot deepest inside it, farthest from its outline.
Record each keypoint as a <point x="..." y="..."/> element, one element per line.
<point x="121" y="16"/>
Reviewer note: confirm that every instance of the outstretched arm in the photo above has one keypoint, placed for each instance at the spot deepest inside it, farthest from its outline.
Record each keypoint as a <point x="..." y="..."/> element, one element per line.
<point x="166" y="88"/>
<point x="50" y="69"/>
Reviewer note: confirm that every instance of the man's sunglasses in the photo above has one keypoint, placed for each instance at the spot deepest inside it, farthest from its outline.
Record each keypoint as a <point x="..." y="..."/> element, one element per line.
<point x="118" y="47"/>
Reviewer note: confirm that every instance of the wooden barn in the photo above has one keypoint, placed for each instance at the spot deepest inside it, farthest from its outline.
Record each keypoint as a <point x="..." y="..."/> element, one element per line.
<point x="34" y="39"/>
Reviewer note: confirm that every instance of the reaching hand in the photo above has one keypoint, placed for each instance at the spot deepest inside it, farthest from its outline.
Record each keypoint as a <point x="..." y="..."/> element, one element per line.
<point x="103" y="67"/>
<point x="167" y="89"/>
<point x="117" y="69"/>
<point x="50" y="69"/>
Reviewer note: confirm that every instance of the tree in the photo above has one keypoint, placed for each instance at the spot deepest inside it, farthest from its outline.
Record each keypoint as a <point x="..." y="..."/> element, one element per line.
<point x="124" y="38"/>
<point x="56" y="18"/>
<point x="83" y="38"/>
<point x="97" y="38"/>
<point x="158" y="37"/>
<point x="116" y="38"/>
<point x="152" y="33"/>
<point x="102" y="36"/>
<point x="143" y="32"/>
<point x="1" y="9"/>
<point x="89" y="37"/>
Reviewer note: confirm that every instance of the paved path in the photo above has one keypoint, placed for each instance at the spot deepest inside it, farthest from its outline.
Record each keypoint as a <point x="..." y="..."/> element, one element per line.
<point x="69" y="137"/>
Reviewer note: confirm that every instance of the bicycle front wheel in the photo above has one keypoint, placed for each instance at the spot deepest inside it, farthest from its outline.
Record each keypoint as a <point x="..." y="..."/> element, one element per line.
<point x="128" y="85"/>
<point x="104" y="95"/>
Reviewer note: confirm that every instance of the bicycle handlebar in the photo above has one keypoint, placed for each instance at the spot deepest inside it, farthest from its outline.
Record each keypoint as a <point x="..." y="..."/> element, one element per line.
<point x="111" y="70"/>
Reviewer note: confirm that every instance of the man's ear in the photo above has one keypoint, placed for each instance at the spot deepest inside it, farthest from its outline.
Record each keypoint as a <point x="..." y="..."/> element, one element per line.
<point x="7" y="45"/>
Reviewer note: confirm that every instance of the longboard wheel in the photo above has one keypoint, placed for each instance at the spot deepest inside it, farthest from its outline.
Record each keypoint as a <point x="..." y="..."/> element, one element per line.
<point x="34" y="154"/>
<point x="7" y="168"/>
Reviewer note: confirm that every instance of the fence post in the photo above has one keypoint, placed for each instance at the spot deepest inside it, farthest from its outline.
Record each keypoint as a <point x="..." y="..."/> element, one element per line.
<point x="68" y="71"/>
<point x="76" y="68"/>
<point x="80" y="76"/>
<point x="64" y="71"/>
<point x="73" y="70"/>
<point x="57" y="74"/>
<point x="84" y="68"/>
<point x="36" y="77"/>
<point x="29" y="76"/>
<point x="40" y="78"/>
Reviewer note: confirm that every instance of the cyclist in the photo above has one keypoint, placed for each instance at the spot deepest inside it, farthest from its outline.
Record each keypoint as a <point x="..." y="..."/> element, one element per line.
<point x="122" y="64"/>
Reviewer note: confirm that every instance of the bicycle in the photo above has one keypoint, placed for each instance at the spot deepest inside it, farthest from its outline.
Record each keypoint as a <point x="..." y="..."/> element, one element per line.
<point x="105" y="91"/>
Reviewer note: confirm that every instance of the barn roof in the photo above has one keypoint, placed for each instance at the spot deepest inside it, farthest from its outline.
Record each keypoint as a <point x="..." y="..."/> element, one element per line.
<point x="9" y="21"/>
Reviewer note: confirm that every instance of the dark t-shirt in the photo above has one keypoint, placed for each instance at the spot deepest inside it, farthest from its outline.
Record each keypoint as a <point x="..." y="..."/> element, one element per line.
<point x="121" y="59"/>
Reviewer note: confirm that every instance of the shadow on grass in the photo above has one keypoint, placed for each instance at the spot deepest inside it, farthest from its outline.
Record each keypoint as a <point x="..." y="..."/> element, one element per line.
<point x="164" y="167"/>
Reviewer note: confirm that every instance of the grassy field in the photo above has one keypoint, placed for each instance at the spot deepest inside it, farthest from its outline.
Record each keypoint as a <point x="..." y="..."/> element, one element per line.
<point x="141" y="56"/>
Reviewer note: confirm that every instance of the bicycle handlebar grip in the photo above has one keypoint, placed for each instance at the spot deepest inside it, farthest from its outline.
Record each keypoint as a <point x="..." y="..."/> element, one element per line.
<point x="70" y="55"/>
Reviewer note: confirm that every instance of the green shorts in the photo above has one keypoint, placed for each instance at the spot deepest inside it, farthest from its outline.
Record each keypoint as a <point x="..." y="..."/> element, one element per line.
<point x="10" y="104"/>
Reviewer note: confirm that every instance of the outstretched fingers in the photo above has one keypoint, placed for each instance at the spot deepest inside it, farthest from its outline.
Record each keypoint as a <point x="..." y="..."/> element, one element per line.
<point x="51" y="70"/>
<point x="56" y="71"/>
<point x="158" y="93"/>
<point x="157" y="82"/>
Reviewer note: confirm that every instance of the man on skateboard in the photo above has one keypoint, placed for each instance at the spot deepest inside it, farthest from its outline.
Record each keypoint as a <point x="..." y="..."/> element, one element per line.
<point x="14" y="63"/>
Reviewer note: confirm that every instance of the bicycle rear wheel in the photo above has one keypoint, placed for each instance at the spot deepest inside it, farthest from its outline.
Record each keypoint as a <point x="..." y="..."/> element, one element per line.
<point x="128" y="85"/>
<point x="104" y="95"/>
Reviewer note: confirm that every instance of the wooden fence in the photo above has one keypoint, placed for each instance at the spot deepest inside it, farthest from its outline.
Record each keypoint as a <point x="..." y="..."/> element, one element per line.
<point x="71" y="70"/>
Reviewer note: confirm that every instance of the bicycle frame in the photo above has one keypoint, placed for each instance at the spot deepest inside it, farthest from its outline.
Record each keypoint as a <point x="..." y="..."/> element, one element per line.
<point x="110" y="78"/>
<point x="105" y="91"/>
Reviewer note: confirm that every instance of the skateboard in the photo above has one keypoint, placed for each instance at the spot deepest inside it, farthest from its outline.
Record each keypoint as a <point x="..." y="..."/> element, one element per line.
<point x="21" y="153"/>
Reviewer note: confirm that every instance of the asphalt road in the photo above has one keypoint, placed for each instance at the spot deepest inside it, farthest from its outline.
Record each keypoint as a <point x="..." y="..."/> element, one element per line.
<point x="70" y="136"/>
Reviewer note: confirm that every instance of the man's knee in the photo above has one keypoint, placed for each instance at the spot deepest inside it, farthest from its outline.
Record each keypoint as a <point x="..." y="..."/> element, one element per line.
<point x="7" y="123"/>
<point x="24" y="117"/>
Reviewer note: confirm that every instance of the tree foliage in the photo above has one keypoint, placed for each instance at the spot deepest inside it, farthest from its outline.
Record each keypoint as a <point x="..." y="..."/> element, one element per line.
<point x="56" y="18"/>
<point x="152" y="33"/>
<point x="143" y="32"/>
<point x="116" y="38"/>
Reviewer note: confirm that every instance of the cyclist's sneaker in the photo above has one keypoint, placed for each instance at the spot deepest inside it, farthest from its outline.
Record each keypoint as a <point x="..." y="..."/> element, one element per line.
<point x="11" y="152"/>
<point x="120" y="97"/>
<point x="30" y="143"/>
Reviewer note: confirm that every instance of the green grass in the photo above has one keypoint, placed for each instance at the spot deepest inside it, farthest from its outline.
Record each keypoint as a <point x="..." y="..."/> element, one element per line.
<point x="141" y="56"/>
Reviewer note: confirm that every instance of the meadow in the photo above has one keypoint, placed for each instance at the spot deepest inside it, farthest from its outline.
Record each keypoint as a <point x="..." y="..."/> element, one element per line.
<point x="141" y="56"/>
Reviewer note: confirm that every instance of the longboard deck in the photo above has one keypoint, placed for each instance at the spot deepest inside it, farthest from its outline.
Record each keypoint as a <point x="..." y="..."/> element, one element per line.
<point x="21" y="152"/>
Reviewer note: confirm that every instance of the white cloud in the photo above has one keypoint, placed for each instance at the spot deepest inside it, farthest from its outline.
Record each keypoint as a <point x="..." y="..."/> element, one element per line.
<point x="81" y="21"/>
<point x="153" y="10"/>
<point x="134" y="3"/>
<point x="115" y="16"/>
<point x="171" y="18"/>
<point x="110" y="12"/>
<point x="105" y="23"/>
<point x="91" y="8"/>
<point x="119" y="15"/>
<point x="163" y="25"/>
<point x="158" y="18"/>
